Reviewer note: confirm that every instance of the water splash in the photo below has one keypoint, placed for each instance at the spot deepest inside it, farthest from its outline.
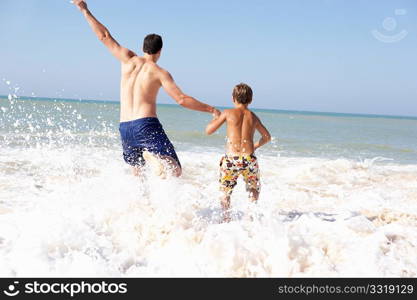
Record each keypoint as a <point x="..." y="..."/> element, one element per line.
<point x="70" y="207"/>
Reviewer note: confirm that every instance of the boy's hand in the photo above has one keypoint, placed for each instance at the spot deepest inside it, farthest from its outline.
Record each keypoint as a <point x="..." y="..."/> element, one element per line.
<point x="80" y="4"/>
<point x="218" y="119"/>
<point x="216" y="113"/>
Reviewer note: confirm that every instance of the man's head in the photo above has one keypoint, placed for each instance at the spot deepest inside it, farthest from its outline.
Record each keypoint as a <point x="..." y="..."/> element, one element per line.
<point x="152" y="44"/>
<point x="242" y="93"/>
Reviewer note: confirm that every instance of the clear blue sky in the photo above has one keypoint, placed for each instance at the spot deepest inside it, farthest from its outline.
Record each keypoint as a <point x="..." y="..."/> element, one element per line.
<point x="317" y="55"/>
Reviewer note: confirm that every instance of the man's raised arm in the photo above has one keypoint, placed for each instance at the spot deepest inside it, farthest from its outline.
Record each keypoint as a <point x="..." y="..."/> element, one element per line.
<point x="182" y="99"/>
<point x="121" y="53"/>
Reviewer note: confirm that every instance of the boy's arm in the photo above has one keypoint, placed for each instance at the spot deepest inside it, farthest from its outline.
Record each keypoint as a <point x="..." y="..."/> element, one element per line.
<point x="265" y="135"/>
<point x="216" y="123"/>
<point x="182" y="99"/>
<point x="121" y="53"/>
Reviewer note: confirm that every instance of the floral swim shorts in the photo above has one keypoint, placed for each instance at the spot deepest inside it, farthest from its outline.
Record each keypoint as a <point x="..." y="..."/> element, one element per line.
<point x="231" y="167"/>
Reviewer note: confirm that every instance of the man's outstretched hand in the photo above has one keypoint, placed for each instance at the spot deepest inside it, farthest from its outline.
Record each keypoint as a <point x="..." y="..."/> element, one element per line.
<point x="216" y="113"/>
<point x="81" y="4"/>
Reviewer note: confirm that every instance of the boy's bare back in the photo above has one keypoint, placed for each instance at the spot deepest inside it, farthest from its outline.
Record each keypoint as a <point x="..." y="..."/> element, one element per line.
<point x="241" y="125"/>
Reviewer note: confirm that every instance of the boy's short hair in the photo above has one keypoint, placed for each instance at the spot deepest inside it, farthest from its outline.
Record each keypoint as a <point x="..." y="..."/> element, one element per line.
<point x="242" y="93"/>
<point x="152" y="43"/>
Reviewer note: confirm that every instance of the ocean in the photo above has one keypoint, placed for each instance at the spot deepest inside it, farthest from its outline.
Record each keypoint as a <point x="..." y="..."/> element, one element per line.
<point x="338" y="198"/>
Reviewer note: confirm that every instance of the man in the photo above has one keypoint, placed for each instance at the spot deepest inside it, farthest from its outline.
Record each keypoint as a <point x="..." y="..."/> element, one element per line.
<point x="143" y="137"/>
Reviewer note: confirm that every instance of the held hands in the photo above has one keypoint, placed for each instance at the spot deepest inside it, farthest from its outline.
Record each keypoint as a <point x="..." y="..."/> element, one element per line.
<point x="216" y="113"/>
<point x="81" y="4"/>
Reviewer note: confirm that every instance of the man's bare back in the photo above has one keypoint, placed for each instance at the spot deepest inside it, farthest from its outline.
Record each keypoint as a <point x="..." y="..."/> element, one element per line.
<point x="140" y="82"/>
<point x="139" y="86"/>
<point x="141" y="79"/>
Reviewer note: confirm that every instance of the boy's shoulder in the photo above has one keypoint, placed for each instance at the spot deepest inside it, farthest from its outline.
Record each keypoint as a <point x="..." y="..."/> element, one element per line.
<point x="236" y="110"/>
<point x="229" y="111"/>
<point x="233" y="113"/>
<point x="233" y="110"/>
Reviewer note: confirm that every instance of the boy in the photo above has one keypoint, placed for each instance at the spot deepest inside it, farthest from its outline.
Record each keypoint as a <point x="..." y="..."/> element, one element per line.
<point x="240" y="147"/>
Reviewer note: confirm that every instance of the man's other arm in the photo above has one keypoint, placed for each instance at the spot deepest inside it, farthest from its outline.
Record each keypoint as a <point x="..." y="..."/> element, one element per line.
<point x="182" y="99"/>
<point x="103" y="34"/>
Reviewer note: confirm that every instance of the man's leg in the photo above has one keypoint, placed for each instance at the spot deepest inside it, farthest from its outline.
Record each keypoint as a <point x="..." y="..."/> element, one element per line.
<point x="155" y="163"/>
<point x="162" y="164"/>
<point x="133" y="157"/>
<point x="173" y="166"/>
<point x="137" y="171"/>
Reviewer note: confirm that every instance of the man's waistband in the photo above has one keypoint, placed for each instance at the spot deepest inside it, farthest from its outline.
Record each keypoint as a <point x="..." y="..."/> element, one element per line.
<point x="140" y="121"/>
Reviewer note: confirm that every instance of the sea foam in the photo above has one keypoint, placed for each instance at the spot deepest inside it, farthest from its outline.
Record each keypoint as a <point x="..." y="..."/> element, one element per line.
<point x="79" y="212"/>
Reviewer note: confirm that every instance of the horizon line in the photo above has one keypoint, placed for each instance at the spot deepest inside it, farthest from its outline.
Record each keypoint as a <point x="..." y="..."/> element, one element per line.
<point x="80" y="100"/>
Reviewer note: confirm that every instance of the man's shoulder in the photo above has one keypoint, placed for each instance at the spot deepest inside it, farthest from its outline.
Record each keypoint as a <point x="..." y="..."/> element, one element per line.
<point x="160" y="69"/>
<point x="134" y="60"/>
<point x="150" y="64"/>
<point x="156" y="69"/>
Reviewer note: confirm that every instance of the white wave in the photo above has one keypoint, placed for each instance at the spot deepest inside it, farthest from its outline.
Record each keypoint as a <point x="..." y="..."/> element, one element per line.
<point x="77" y="211"/>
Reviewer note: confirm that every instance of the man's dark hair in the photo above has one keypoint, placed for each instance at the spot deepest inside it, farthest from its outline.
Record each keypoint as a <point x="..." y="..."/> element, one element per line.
<point x="152" y="43"/>
<point x="242" y="93"/>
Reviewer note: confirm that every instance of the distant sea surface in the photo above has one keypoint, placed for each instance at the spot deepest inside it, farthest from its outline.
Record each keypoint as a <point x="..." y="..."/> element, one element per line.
<point x="295" y="134"/>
